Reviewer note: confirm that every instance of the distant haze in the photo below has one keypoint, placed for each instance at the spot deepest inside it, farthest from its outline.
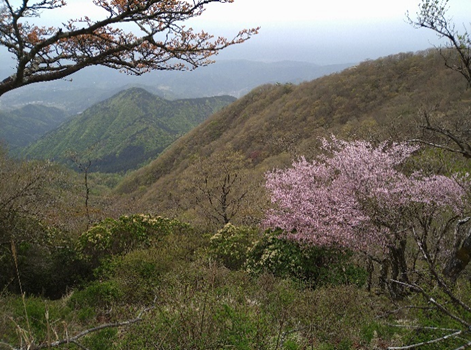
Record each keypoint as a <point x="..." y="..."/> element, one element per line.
<point x="322" y="32"/>
<point x="325" y="32"/>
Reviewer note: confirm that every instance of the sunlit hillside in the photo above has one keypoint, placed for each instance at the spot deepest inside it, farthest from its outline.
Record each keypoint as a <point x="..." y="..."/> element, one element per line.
<point x="274" y="124"/>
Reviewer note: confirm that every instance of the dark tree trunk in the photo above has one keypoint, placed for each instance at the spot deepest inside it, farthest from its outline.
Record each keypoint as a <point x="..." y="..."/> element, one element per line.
<point x="394" y="268"/>
<point x="459" y="258"/>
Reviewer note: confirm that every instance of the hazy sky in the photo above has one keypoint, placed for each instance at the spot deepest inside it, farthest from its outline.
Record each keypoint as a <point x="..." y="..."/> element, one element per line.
<point x="332" y="31"/>
<point x="327" y="31"/>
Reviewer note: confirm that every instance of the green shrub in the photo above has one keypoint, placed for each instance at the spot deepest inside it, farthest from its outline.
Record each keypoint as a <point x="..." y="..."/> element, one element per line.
<point x="203" y="306"/>
<point x="102" y="340"/>
<point x="33" y="319"/>
<point x="237" y="329"/>
<point x="314" y="265"/>
<point x="115" y="237"/>
<point x="96" y="294"/>
<point x="139" y="273"/>
<point x="230" y="245"/>
<point x="48" y="263"/>
<point x="332" y="316"/>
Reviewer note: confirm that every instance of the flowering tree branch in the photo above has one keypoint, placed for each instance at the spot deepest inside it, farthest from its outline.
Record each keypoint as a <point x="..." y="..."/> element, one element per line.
<point x="359" y="199"/>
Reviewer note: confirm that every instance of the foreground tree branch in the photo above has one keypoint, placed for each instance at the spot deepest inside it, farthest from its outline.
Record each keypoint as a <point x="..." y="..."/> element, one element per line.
<point x="446" y="302"/>
<point x="454" y="141"/>
<point x="158" y="40"/>
<point x="461" y="251"/>
<point x="436" y="340"/>
<point x="432" y="15"/>
<point x="75" y="339"/>
<point x="456" y="52"/>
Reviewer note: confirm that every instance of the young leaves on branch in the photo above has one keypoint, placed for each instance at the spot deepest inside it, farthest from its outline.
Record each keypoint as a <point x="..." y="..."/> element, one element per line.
<point x="432" y="15"/>
<point x="157" y="40"/>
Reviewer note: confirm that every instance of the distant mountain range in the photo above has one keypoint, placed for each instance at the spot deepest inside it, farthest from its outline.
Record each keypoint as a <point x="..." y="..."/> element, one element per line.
<point x="94" y="84"/>
<point x="124" y="131"/>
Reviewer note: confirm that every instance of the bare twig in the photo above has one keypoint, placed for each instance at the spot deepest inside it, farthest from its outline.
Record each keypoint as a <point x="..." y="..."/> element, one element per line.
<point x="467" y="345"/>
<point x="441" y="283"/>
<point x="410" y="307"/>
<point x="455" y="334"/>
<point x="431" y="300"/>
<point x="75" y="339"/>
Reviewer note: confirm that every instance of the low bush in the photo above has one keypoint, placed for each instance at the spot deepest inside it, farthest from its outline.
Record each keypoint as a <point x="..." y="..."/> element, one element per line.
<point x="116" y="237"/>
<point x="204" y="305"/>
<point x="230" y="245"/>
<point x="316" y="266"/>
<point x="97" y="294"/>
<point x="47" y="263"/>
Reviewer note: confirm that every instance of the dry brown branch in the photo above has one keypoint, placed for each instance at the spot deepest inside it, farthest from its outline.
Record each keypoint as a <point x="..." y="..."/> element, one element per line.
<point x="436" y="340"/>
<point x="432" y="301"/>
<point x="75" y="339"/>
<point x="156" y="41"/>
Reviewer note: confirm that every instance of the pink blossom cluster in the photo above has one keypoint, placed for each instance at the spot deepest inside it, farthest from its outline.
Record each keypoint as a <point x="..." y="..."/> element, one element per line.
<point x="356" y="197"/>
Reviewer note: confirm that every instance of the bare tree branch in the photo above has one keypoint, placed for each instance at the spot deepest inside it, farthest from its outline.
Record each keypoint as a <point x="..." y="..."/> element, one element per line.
<point x="431" y="300"/>
<point x="416" y="345"/>
<point x="75" y="339"/>
<point x="457" y="52"/>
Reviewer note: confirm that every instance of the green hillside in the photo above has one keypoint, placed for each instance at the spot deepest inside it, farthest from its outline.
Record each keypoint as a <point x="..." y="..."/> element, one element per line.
<point x="20" y="127"/>
<point x="126" y="130"/>
<point x="274" y="124"/>
<point x="175" y="256"/>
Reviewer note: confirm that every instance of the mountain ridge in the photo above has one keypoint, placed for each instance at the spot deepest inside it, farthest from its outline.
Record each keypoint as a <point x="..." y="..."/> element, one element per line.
<point x="274" y="124"/>
<point x="20" y="127"/>
<point x="125" y="130"/>
<point x="225" y="77"/>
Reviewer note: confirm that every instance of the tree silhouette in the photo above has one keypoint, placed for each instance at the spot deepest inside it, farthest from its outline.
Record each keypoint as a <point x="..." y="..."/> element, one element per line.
<point x="157" y="40"/>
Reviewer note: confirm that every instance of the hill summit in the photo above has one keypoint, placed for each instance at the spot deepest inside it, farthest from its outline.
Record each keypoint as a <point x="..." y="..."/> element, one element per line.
<point x="126" y="130"/>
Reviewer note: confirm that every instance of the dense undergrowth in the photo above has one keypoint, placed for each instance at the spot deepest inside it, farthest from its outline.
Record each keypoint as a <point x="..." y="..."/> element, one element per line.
<point x="239" y="288"/>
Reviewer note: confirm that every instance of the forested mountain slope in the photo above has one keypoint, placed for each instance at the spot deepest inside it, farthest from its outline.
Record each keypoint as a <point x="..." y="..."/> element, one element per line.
<point x="21" y="126"/>
<point x="275" y="123"/>
<point x="124" y="131"/>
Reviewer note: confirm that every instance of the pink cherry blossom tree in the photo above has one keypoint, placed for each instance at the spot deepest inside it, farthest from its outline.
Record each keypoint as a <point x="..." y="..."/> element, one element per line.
<point x="357" y="197"/>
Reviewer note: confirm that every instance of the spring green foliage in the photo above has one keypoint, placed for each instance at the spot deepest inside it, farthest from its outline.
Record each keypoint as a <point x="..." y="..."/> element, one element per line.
<point x="48" y="265"/>
<point x="126" y="130"/>
<point x="21" y="126"/>
<point x="197" y="302"/>
<point x="230" y="245"/>
<point x="235" y="287"/>
<point x="115" y="237"/>
<point x="273" y="124"/>
<point x="315" y="266"/>
<point x="239" y="247"/>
